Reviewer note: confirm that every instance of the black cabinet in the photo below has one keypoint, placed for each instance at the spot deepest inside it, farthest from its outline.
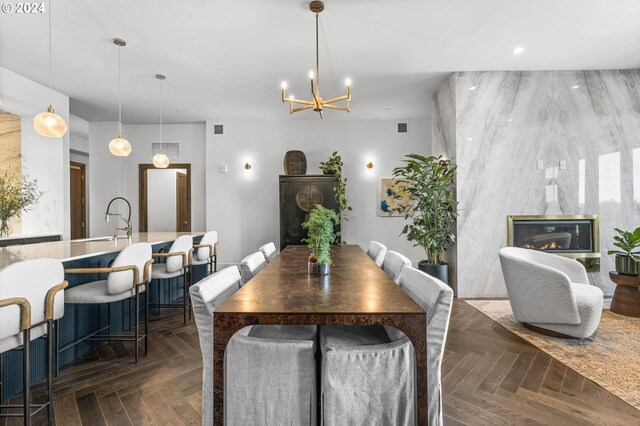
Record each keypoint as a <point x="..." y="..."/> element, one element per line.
<point x="298" y="196"/>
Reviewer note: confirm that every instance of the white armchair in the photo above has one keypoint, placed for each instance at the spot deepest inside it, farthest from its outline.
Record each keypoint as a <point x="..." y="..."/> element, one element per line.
<point x="551" y="294"/>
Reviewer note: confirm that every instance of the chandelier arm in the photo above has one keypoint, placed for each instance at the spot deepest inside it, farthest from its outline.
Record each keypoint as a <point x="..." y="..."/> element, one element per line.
<point x="341" y="108"/>
<point x="336" y="99"/>
<point x="300" y="101"/>
<point x="301" y="108"/>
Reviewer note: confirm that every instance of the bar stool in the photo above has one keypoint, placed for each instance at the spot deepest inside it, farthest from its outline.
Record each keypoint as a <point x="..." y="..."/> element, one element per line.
<point x="207" y="253"/>
<point x="377" y="252"/>
<point x="31" y="299"/>
<point x="393" y="264"/>
<point x="269" y="252"/>
<point x="177" y="264"/>
<point x="123" y="282"/>
<point x="251" y="265"/>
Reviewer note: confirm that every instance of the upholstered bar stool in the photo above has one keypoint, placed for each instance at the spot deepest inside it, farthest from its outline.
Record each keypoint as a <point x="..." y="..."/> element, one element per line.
<point x="207" y="252"/>
<point x="127" y="278"/>
<point x="31" y="299"/>
<point x="269" y="252"/>
<point x="393" y="264"/>
<point x="176" y="265"/>
<point x="251" y="265"/>
<point x="377" y="252"/>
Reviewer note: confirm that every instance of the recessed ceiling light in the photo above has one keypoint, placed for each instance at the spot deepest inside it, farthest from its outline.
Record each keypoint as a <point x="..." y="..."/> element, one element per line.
<point x="470" y="139"/>
<point x="472" y="88"/>
<point x="510" y="120"/>
<point x="518" y="50"/>
<point x="577" y="86"/>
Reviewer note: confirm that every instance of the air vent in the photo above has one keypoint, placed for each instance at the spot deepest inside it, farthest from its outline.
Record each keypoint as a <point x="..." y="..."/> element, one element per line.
<point x="218" y="129"/>
<point x="171" y="149"/>
<point x="403" y="128"/>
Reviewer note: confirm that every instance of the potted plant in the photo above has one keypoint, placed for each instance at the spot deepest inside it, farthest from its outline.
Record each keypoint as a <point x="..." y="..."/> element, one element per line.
<point x="333" y="166"/>
<point x="17" y="194"/>
<point x="429" y="182"/>
<point x="628" y="257"/>
<point x="319" y="225"/>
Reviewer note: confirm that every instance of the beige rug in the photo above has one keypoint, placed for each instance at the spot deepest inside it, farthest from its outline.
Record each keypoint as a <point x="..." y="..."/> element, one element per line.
<point x="611" y="357"/>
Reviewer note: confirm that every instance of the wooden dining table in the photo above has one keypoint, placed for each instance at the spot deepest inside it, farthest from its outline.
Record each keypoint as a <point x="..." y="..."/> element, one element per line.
<point x="356" y="292"/>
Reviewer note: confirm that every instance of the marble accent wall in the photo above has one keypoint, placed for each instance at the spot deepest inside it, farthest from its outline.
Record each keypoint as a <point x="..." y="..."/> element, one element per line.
<point x="11" y="152"/>
<point x="505" y="122"/>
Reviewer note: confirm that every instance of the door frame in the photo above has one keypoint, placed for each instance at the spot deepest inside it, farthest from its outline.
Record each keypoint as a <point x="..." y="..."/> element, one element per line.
<point x="83" y="168"/>
<point x="143" y="189"/>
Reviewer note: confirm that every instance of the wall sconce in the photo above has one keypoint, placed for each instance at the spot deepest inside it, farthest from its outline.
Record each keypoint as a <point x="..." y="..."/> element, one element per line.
<point x="370" y="165"/>
<point x="247" y="166"/>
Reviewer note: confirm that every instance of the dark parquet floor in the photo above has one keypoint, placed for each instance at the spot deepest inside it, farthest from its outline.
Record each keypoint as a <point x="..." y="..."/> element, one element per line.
<point x="490" y="377"/>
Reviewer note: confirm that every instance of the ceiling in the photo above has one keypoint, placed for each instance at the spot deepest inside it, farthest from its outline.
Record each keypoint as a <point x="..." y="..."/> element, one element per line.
<point x="226" y="59"/>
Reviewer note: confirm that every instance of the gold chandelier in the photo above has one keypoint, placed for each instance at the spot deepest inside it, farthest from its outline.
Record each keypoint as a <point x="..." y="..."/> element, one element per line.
<point x="317" y="104"/>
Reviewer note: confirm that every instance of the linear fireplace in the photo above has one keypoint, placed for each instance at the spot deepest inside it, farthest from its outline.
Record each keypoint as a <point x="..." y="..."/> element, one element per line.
<point x="576" y="237"/>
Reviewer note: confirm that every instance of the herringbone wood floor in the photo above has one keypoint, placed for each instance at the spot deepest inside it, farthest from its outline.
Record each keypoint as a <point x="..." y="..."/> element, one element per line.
<point x="490" y="377"/>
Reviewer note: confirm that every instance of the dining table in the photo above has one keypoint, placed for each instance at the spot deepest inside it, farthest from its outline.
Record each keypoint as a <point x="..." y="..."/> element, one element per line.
<point x="355" y="292"/>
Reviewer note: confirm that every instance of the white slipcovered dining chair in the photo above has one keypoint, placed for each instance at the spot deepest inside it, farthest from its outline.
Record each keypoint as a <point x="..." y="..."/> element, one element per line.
<point x="31" y="299"/>
<point x="377" y="252"/>
<point x="178" y="261"/>
<point x="128" y="278"/>
<point x="269" y="252"/>
<point x="393" y="264"/>
<point x="207" y="252"/>
<point x="258" y="360"/>
<point x="251" y="265"/>
<point x="368" y="373"/>
<point x="550" y="294"/>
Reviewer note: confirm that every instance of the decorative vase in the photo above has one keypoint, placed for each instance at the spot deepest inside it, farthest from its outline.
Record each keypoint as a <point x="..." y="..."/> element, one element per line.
<point x="440" y="272"/>
<point x="626" y="265"/>
<point x="295" y="163"/>
<point x="4" y="228"/>
<point x="318" y="269"/>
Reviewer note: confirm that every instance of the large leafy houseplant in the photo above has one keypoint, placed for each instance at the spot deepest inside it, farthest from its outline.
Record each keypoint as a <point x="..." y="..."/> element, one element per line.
<point x="18" y="194"/>
<point x="432" y="214"/>
<point x="628" y="257"/>
<point x="333" y="166"/>
<point x="320" y="236"/>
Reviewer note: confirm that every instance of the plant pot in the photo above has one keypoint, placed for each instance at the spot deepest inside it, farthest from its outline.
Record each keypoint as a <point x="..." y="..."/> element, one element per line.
<point x="440" y="272"/>
<point x="626" y="265"/>
<point x="318" y="269"/>
<point x="5" y="229"/>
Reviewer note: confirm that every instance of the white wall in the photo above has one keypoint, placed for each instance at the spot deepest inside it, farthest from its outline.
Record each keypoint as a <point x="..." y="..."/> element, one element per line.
<point x="118" y="176"/>
<point x="44" y="159"/>
<point x="161" y="199"/>
<point x="243" y="205"/>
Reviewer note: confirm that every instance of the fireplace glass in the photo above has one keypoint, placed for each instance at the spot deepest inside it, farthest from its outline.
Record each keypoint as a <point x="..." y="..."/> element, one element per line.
<point x="554" y="235"/>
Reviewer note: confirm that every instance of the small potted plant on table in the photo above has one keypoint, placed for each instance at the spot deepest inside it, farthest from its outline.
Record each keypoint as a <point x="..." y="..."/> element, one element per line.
<point x="628" y="257"/>
<point x="321" y="235"/>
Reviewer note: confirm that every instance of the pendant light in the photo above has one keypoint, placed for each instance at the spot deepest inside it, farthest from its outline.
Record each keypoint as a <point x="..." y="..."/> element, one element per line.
<point x="50" y="124"/>
<point x="160" y="160"/>
<point x="119" y="146"/>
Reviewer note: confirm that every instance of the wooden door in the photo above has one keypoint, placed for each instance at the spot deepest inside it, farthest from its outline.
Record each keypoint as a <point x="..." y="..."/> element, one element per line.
<point x="183" y="205"/>
<point x="78" y="203"/>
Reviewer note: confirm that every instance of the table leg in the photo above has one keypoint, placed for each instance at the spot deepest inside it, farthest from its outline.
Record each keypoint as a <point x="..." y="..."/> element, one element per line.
<point x="626" y="301"/>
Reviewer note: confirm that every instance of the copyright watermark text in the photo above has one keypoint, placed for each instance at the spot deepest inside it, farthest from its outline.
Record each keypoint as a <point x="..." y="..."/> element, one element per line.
<point x="23" y="8"/>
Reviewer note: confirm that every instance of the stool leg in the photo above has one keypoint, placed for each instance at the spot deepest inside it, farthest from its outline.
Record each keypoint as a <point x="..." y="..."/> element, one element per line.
<point x="1" y="380"/>
<point x="26" y="376"/>
<point x="49" y="371"/>
<point x="109" y="321"/>
<point x="57" y="346"/>
<point x="137" y="322"/>
<point x="184" y="296"/>
<point x="129" y="314"/>
<point x="146" y="319"/>
<point x="187" y="294"/>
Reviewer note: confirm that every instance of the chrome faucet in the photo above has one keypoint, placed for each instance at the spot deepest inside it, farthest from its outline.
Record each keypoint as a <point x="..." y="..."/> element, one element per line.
<point x="127" y="221"/>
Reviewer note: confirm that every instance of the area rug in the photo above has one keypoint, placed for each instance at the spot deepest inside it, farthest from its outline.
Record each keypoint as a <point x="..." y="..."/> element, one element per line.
<point x="611" y="357"/>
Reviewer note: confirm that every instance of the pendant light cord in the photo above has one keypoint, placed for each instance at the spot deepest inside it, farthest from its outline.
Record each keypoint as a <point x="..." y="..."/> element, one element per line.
<point x="50" y="78"/>
<point x="119" y="95"/>
<point x="161" y="116"/>
<point x="317" y="59"/>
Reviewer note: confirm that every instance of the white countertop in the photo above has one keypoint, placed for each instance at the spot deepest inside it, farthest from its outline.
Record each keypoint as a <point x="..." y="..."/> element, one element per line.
<point x="78" y="249"/>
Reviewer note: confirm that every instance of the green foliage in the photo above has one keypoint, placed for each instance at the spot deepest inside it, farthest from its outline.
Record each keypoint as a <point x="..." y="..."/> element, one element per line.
<point x="320" y="225"/>
<point x="628" y="243"/>
<point x="333" y="166"/>
<point x="433" y="211"/>
<point x="17" y="194"/>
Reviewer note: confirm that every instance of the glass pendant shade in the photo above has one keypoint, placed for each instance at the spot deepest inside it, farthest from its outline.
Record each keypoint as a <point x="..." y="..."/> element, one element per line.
<point x="161" y="161"/>
<point x="120" y="147"/>
<point x="49" y="124"/>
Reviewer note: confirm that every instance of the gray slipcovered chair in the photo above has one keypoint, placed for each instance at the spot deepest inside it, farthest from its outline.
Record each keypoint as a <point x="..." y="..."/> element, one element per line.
<point x="436" y="298"/>
<point x="377" y="252"/>
<point x="31" y="299"/>
<point x="251" y="265"/>
<point x="368" y="373"/>
<point x="393" y="264"/>
<point x="269" y="252"/>
<point x="207" y="252"/>
<point x="127" y="279"/>
<point x="270" y="375"/>
<point x="550" y="294"/>
<point x="178" y="261"/>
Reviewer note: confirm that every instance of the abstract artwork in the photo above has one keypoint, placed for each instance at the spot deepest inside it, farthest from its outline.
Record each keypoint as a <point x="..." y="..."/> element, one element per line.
<point x="392" y="194"/>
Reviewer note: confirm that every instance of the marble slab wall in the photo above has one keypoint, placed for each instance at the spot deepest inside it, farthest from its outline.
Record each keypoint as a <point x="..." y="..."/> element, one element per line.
<point x="505" y="124"/>
<point x="11" y="152"/>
